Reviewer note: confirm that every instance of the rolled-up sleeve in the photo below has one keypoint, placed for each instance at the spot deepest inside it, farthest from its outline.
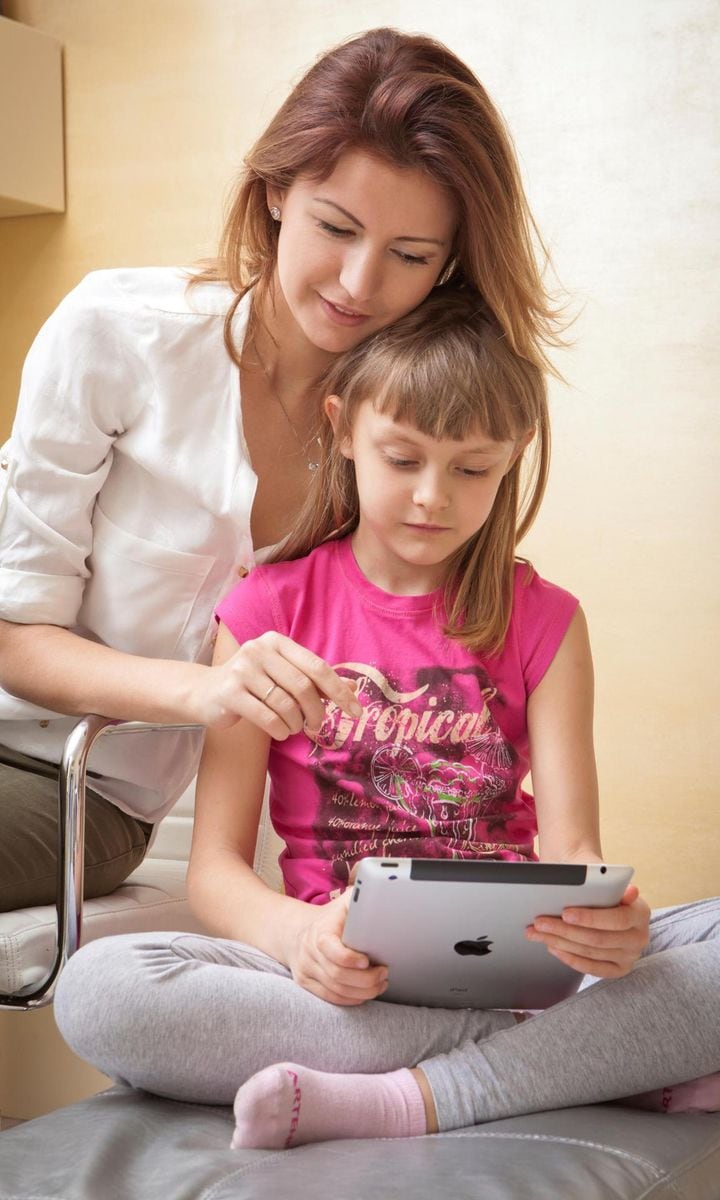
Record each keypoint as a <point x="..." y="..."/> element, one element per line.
<point x="81" y="387"/>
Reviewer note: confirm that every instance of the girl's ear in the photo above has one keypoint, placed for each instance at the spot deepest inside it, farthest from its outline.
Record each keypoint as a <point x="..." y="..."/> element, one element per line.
<point x="333" y="406"/>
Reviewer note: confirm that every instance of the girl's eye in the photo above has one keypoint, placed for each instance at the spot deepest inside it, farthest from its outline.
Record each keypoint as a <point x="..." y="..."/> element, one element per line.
<point x="477" y="473"/>
<point x="412" y="259"/>
<point x="334" y="230"/>
<point x="400" y="462"/>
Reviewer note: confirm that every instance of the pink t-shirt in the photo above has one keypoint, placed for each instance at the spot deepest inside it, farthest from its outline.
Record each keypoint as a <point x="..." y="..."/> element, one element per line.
<point x="434" y="766"/>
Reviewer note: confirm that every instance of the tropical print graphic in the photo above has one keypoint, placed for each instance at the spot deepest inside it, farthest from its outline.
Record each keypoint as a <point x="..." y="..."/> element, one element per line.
<point x="426" y="771"/>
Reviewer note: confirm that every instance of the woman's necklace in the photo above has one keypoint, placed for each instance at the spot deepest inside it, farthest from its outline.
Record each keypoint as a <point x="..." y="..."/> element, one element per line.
<point x="312" y="463"/>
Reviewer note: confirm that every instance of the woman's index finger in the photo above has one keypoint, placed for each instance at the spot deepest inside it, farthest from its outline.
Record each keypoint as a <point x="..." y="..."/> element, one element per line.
<point x="327" y="681"/>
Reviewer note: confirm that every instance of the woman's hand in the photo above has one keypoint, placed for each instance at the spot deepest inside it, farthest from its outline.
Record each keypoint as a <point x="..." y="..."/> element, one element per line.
<point x="271" y="681"/>
<point x="323" y="965"/>
<point x="605" y="942"/>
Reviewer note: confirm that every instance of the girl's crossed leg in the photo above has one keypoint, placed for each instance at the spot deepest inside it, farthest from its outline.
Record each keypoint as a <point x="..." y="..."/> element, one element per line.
<point x="655" y="1027"/>
<point x="193" y="1017"/>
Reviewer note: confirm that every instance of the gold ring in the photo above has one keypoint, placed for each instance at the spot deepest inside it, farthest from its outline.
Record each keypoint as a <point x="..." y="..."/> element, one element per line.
<point x="268" y="693"/>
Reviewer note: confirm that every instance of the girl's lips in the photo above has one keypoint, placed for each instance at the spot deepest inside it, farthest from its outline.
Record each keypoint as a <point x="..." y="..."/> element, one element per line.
<point x="341" y="316"/>
<point x="429" y="528"/>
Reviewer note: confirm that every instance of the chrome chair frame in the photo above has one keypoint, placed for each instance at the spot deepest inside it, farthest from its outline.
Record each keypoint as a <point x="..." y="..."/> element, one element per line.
<point x="71" y="848"/>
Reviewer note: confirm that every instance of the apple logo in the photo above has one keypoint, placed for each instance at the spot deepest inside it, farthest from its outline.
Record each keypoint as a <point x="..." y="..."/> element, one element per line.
<point x="479" y="946"/>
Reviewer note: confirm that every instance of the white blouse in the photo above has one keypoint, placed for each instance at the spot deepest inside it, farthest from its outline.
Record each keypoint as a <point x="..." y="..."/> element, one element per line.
<point x="125" y="498"/>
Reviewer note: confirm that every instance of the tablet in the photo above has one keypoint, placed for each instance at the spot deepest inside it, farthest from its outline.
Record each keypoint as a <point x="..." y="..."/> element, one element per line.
<point x="452" y="932"/>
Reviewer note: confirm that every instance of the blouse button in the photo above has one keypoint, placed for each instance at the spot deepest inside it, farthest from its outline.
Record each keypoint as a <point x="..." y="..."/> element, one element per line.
<point x="242" y="571"/>
<point x="43" y="724"/>
<point x="4" y="464"/>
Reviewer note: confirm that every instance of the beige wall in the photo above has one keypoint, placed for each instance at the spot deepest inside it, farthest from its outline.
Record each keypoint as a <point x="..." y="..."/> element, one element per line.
<point x="611" y="108"/>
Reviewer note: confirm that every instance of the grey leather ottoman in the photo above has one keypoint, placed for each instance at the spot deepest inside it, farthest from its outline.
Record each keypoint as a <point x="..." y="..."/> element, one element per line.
<point x="126" y="1145"/>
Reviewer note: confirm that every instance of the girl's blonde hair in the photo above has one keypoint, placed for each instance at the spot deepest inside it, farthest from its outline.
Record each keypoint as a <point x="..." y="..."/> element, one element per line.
<point x="409" y="101"/>
<point x="446" y="369"/>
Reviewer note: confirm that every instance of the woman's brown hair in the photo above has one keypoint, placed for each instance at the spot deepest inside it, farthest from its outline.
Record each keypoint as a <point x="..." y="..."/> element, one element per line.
<point x="448" y="370"/>
<point x="411" y="102"/>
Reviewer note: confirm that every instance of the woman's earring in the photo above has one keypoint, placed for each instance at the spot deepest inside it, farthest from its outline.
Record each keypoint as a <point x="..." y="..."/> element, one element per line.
<point x="275" y="212"/>
<point x="447" y="272"/>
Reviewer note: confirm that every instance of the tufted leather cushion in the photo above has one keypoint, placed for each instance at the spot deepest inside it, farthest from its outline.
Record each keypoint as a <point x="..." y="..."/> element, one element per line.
<point x="125" y="1144"/>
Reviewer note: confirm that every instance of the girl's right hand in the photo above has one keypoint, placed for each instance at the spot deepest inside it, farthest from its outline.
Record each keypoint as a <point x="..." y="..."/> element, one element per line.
<point x="271" y="681"/>
<point x="323" y="965"/>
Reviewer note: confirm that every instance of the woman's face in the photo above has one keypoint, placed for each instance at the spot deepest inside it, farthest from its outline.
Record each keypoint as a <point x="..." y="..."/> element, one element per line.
<point x="359" y="249"/>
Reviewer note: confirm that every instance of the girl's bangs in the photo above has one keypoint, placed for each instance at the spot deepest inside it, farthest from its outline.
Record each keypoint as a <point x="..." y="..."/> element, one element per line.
<point x="437" y="395"/>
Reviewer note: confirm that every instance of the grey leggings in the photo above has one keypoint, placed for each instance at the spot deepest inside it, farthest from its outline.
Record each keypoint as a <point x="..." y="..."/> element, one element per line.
<point x="193" y="1017"/>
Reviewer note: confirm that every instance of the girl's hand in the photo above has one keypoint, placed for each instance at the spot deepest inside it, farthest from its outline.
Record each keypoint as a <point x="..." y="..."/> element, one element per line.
<point x="323" y="965"/>
<point x="271" y="681"/>
<point x="605" y="942"/>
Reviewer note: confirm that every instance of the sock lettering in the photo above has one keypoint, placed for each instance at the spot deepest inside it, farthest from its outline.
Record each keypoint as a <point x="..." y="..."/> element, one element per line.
<point x="295" y="1110"/>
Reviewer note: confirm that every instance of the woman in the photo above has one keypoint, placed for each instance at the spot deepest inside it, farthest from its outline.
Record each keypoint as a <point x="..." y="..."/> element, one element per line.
<point x="165" y="433"/>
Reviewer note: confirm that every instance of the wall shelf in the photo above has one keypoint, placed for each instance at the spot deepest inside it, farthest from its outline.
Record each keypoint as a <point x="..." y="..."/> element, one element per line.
<point x="32" y="173"/>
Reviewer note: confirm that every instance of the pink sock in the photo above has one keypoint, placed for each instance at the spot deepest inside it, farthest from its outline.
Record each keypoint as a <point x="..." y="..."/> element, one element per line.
<point x="286" y="1105"/>
<point x="697" y="1095"/>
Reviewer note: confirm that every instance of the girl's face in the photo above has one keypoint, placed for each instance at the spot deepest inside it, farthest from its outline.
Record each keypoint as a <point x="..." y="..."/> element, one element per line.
<point x="359" y="249"/>
<point x="420" y="499"/>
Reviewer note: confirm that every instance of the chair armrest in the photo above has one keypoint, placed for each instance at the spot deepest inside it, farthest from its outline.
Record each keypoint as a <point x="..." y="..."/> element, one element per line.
<point x="71" y="847"/>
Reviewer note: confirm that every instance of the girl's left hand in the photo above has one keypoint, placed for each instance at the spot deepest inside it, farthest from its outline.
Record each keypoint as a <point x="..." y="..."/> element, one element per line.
<point x="605" y="942"/>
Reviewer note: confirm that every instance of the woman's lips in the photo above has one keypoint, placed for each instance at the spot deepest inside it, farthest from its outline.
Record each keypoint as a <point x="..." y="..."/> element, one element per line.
<point x="342" y="316"/>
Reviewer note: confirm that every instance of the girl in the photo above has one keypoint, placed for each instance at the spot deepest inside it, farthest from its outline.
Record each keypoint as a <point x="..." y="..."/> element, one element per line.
<point x="165" y="434"/>
<point x="470" y="670"/>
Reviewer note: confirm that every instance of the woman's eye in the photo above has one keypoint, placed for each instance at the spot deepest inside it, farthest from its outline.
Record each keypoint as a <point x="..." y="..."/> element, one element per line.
<point x="334" y="230"/>
<point x="477" y="473"/>
<point x="417" y="260"/>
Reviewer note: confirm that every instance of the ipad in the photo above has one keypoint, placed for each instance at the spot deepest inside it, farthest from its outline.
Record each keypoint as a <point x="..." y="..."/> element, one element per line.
<point x="452" y="932"/>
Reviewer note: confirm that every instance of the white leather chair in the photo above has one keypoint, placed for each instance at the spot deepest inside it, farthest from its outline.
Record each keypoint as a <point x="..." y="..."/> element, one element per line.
<point x="35" y="943"/>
